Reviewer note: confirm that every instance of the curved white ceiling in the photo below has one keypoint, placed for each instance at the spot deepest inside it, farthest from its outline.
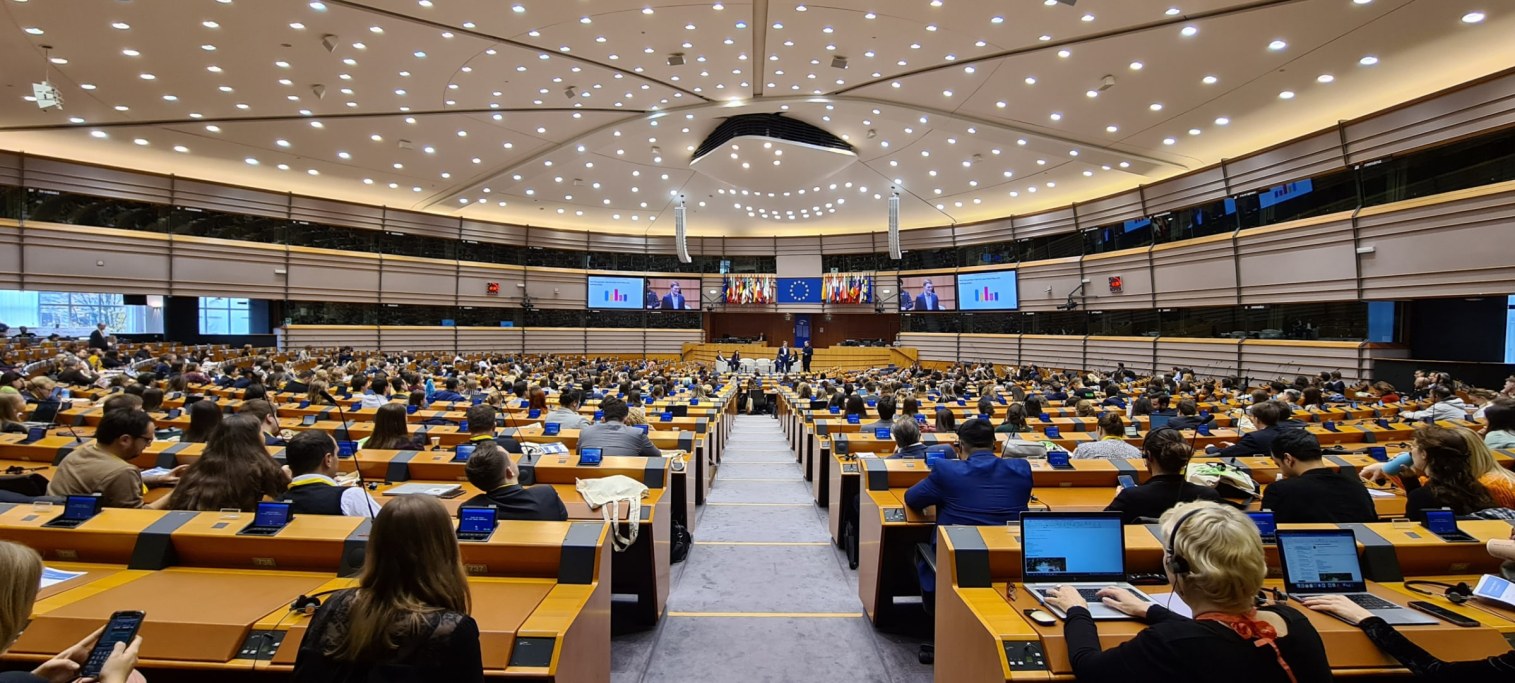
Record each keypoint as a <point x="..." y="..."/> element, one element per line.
<point x="548" y="112"/>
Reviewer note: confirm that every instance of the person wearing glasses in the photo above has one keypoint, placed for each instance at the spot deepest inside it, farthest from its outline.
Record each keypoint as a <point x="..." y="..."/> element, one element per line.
<point x="104" y="467"/>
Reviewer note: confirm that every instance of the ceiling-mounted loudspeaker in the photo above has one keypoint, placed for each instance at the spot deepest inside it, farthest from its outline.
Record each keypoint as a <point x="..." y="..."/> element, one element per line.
<point x="894" y="227"/>
<point x="679" y="236"/>
<point x="329" y="41"/>
<point x="838" y="62"/>
<point x="1069" y="3"/>
<point x="676" y="59"/>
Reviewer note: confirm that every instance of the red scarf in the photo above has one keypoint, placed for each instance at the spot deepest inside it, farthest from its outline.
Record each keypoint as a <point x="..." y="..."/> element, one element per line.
<point x="1248" y="626"/>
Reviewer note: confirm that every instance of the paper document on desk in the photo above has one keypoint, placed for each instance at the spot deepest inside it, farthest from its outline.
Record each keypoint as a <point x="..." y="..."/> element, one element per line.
<point x="1174" y="603"/>
<point x="53" y="577"/>
<point x="1380" y="494"/>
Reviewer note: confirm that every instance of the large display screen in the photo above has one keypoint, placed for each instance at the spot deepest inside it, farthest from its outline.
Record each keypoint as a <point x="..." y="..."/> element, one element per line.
<point x="672" y="294"/>
<point x="990" y="291"/>
<point x="926" y="294"/>
<point x="615" y="292"/>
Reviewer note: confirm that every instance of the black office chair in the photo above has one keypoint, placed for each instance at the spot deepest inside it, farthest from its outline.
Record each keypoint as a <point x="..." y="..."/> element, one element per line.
<point x="927" y="554"/>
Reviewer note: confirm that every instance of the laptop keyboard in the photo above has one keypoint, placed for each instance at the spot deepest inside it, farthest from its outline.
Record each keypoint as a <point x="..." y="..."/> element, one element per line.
<point x="1088" y="594"/>
<point x="1370" y="602"/>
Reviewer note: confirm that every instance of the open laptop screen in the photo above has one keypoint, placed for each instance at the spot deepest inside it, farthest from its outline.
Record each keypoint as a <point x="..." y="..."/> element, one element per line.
<point x="1072" y="547"/>
<point x="1323" y="561"/>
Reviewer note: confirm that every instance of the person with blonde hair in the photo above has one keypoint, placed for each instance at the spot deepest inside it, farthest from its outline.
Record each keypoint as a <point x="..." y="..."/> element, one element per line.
<point x="407" y="619"/>
<point x="1214" y="560"/>
<point x="1499" y="481"/>
<point x="1084" y="408"/>
<point x="20" y="579"/>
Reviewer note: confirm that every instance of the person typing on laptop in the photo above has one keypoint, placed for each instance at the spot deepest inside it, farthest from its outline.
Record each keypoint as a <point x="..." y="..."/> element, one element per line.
<point x="982" y="489"/>
<point x="1214" y="559"/>
<point x="1425" y="666"/>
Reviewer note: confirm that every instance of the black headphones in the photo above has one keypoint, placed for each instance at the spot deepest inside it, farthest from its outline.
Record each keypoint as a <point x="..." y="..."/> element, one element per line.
<point x="1176" y="563"/>
<point x="1457" y="594"/>
<point x="309" y="603"/>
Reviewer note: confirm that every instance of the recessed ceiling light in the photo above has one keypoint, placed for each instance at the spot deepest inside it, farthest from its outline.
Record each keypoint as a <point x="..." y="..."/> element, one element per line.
<point x="251" y="161"/>
<point x="98" y="134"/>
<point x="1155" y="106"/>
<point x="1055" y="116"/>
<point x="1030" y="80"/>
<point x="297" y="26"/>
<point x="213" y="128"/>
<point x="1172" y="11"/>
<point x="1369" y="60"/>
<point x="1170" y="141"/>
<point x="1189" y="31"/>
<point x="1137" y="66"/>
<point x="34" y="30"/>
<point x="208" y="47"/>
<point x="213" y="69"/>
<point x="282" y="143"/>
<point x="1472" y="17"/>
<point x="120" y="26"/>
<point x="170" y="98"/>
<point x="87" y="86"/>
<point x="1111" y="129"/>
<point x="1222" y="121"/>
<point x="1065" y="53"/>
<point x="147" y="77"/>
<point x="130" y="52"/>
<point x="210" y="24"/>
<point x="1277" y="45"/>
<point x="140" y="141"/>
<point x="376" y="29"/>
<point x="1324" y="78"/>
<point x="1286" y="95"/>
<point x="58" y="60"/>
<point x="181" y="149"/>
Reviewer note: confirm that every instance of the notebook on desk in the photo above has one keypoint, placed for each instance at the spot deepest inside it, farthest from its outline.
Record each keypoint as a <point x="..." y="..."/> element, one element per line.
<point x="438" y="490"/>
<point x="1324" y="562"/>
<point x="1083" y="550"/>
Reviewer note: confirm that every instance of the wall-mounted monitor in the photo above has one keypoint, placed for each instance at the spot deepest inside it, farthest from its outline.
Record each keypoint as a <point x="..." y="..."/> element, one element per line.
<point x="672" y="294"/>
<point x="614" y="292"/>
<point x="928" y="294"/>
<point x="994" y="290"/>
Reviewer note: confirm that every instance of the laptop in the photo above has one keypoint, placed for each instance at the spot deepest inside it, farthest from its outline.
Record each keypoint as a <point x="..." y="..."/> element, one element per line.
<point x="591" y="457"/>
<point x="1324" y="561"/>
<point x="438" y="490"/>
<point x="476" y="522"/>
<point x="1267" y="527"/>
<point x="44" y="415"/>
<point x="1084" y="550"/>
<point x="1157" y="422"/>
<point x="76" y="510"/>
<point x="270" y="518"/>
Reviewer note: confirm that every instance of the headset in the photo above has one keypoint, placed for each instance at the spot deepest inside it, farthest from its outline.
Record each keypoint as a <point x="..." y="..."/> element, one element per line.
<point x="1456" y="594"/>
<point x="1176" y="563"/>
<point x="309" y="603"/>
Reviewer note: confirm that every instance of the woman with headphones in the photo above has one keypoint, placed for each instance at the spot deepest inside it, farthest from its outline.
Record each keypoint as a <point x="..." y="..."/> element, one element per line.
<point x="1423" y="664"/>
<point x="1214" y="559"/>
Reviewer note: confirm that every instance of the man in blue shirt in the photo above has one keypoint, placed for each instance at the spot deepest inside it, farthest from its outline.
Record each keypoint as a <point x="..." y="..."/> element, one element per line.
<point x="450" y="393"/>
<point x="981" y="489"/>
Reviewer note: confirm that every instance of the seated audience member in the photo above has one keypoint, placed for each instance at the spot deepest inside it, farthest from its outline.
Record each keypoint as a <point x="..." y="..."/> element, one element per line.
<point x="152" y="400"/>
<point x="75" y="373"/>
<point x="407" y="620"/>
<point x="1112" y="441"/>
<point x="312" y="460"/>
<point x="1442" y="457"/>
<point x="204" y="417"/>
<point x="1446" y="406"/>
<point x="981" y="489"/>
<point x="1163" y="407"/>
<point x="450" y="392"/>
<point x="1423" y="665"/>
<point x="121" y="401"/>
<point x="1309" y="489"/>
<point x="1216" y="566"/>
<point x="907" y="440"/>
<point x="103" y="466"/>
<point x="491" y="471"/>
<point x="1084" y="408"/>
<point x="885" y="420"/>
<point x="614" y="436"/>
<point x="10" y="414"/>
<point x="1266" y="416"/>
<point x="637" y="416"/>
<point x="11" y="383"/>
<point x="566" y="415"/>
<point x="268" y="420"/>
<point x="946" y="421"/>
<point x="1188" y="416"/>
<point x="20" y="577"/>
<point x="1500" y="430"/>
<point x="1167" y="453"/>
<point x="855" y="405"/>
<point x="234" y="472"/>
<point x="1015" y="420"/>
<point x="1499" y="481"/>
<point x="391" y="431"/>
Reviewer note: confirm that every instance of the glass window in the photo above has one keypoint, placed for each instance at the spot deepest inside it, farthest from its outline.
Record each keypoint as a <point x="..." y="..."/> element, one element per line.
<point x="420" y="246"/>
<point x="1210" y="322"/>
<point x="12" y="201"/>
<point x="555" y="258"/>
<point x="993" y="323"/>
<point x="552" y="317"/>
<point x="1335" y="321"/>
<point x="106" y="212"/>
<point x="223" y="315"/>
<point x="1482" y="160"/>
<point x="305" y="234"/>
<point x="484" y="316"/>
<point x="1305" y="198"/>
<point x="1198" y="221"/>
<point x="227" y="226"/>
<point x="1116" y="236"/>
<point x="332" y="313"/>
<point x="1136" y="323"/>
<point x="1059" y="322"/>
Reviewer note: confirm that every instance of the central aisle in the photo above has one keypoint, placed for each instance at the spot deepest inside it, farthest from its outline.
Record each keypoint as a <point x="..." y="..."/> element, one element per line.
<point x="764" y="595"/>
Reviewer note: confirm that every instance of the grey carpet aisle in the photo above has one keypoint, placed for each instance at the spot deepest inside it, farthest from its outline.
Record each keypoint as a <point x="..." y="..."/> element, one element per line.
<point x="764" y="595"/>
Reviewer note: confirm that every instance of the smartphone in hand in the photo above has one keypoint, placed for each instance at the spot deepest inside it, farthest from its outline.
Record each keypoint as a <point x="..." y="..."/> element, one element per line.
<point x="122" y="628"/>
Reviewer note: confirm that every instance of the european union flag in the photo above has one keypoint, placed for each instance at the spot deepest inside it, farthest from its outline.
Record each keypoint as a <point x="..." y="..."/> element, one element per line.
<point x="799" y="290"/>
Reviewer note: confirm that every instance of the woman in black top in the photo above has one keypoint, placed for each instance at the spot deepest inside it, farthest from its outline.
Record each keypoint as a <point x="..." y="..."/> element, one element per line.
<point x="1216" y="567"/>
<point x="1442" y="456"/>
<point x="391" y="430"/>
<point x="407" y="621"/>
<point x="204" y="418"/>
<point x="1167" y="453"/>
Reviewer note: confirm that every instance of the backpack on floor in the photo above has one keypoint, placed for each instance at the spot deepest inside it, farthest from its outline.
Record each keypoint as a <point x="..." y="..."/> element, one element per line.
<point x="682" y="541"/>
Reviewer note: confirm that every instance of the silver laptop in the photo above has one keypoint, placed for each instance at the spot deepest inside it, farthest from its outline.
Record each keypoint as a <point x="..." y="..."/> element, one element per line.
<point x="438" y="490"/>
<point x="1324" y="562"/>
<point x="1084" y="550"/>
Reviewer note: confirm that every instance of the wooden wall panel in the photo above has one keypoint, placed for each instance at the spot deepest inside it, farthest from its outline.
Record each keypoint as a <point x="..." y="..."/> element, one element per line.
<point x="616" y="244"/>
<point x="72" y="259"/>
<point x="230" y="199"/>
<point x="563" y="340"/>
<point x="327" y="212"/>
<point x="1055" y="352"/>
<point x="925" y="238"/>
<point x="1132" y="266"/>
<point x="747" y="246"/>
<point x="360" y="337"/>
<point x="418" y="338"/>
<point x="474" y="279"/>
<point x="1003" y="349"/>
<point x="492" y="232"/>
<point x="1192" y="189"/>
<point x="1430" y="249"/>
<point x="1111" y="210"/>
<point x="1311" y="156"/>
<point x="932" y="346"/>
<point x="425" y="224"/>
<point x="1208" y="357"/>
<point x="504" y="340"/>
<point x="986" y="232"/>
<point x="1308" y="260"/>
<point x="1198" y="272"/>
<point x="206" y="267"/>
<point x="1464" y="111"/>
<point x="1061" y="275"/>
<point x="1270" y="358"/>
<point x="556" y="288"/>
<point x="1103" y="353"/>
<point x="10" y="169"/>
<point x="669" y="341"/>
<point x="607" y="341"/>
<point x="548" y="238"/>
<point x="854" y="244"/>
<point x="10" y="255"/>
<point x="330" y="275"/>
<point x="419" y="282"/>
<point x="1042" y="224"/>
<point x="797" y="246"/>
<point x="100" y="181"/>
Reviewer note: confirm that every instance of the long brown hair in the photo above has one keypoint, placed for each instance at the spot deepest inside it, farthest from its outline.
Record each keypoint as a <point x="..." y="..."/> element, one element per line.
<point x="235" y="471"/>
<point x="1449" y="467"/>
<point x="390" y="428"/>
<point x="412" y="569"/>
<point x="17" y="593"/>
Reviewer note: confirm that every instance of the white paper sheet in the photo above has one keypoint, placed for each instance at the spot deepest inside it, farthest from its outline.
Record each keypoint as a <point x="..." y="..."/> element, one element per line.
<point x="1174" y="603"/>
<point x="53" y="577"/>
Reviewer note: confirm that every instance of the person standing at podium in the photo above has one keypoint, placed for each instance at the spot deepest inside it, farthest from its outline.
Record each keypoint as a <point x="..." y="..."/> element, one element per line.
<point x="806" y="354"/>
<point x="408" y="618"/>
